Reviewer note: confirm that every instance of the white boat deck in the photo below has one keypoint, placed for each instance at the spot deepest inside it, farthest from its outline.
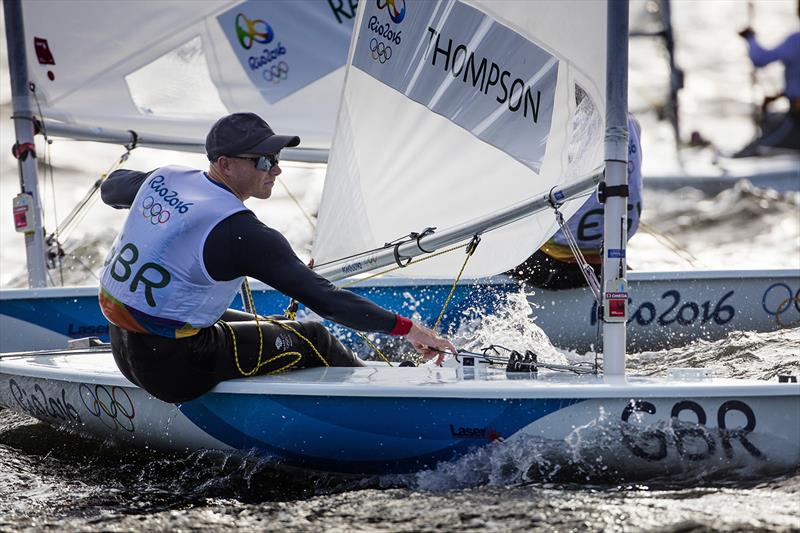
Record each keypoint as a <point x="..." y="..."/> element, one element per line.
<point x="429" y="381"/>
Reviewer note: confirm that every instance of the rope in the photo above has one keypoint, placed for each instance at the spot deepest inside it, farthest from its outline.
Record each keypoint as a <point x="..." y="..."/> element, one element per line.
<point x="297" y="203"/>
<point x="586" y="269"/>
<point x="471" y="247"/>
<point x="248" y="294"/>
<point x="671" y="244"/>
<point x="71" y="220"/>
<point x="48" y="169"/>
<point x="377" y="351"/>
<point x="470" y="250"/>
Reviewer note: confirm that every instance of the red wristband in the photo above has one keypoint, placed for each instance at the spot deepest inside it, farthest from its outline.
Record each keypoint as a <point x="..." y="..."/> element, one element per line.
<point x="401" y="327"/>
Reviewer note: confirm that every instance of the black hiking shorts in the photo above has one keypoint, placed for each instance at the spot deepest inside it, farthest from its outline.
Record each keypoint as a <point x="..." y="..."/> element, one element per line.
<point x="179" y="370"/>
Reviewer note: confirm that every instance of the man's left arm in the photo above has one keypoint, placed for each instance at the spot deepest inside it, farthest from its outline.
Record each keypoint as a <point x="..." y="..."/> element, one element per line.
<point x="120" y="187"/>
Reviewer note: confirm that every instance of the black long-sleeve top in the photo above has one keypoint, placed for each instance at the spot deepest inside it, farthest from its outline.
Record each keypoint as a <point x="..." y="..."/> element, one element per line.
<point x="232" y="249"/>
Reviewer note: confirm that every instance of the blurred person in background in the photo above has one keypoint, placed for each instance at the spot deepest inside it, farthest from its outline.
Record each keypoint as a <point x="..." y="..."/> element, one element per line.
<point x="778" y="130"/>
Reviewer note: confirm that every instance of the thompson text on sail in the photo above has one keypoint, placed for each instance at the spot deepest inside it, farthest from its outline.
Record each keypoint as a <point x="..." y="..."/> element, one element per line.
<point x="464" y="65"/>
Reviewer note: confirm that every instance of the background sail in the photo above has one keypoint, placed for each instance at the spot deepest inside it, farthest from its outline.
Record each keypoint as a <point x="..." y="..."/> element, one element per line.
<point x="170" y="68"/>
<point x="452" y="110"/>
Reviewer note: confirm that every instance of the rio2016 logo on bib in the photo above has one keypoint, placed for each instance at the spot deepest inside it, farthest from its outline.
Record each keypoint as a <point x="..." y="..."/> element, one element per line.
<point x="397" y="15"/>
<point x="249" y="31"/>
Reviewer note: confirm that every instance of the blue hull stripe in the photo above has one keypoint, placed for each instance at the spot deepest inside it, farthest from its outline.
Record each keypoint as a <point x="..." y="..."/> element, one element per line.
<point x="362" y="435"/>
<point x="81" y="316"/>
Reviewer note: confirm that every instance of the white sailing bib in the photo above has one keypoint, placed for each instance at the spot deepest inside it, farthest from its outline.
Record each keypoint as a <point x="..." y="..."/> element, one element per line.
<point x="155" y="266"/>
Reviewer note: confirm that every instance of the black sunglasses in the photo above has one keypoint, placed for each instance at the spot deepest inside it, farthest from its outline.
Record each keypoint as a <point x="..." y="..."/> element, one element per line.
<point x="263" y="163"/>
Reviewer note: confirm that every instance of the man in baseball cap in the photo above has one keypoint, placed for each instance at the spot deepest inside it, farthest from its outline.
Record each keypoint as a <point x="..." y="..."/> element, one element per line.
<point x="245" y="133"/>
<point x="173" y="272"/>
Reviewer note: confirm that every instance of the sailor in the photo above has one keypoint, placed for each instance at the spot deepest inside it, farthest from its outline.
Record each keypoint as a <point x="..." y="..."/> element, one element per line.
<point x="553" y="266"/>
<point x="182" y="255"/>
<point x="778" y="130"/>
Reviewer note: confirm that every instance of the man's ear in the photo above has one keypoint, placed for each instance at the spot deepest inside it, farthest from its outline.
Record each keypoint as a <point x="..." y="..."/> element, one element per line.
<point x="223" y="164"/>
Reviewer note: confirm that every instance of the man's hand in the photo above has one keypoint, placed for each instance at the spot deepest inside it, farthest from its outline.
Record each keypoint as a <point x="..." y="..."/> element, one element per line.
<point x="428" y="343"/>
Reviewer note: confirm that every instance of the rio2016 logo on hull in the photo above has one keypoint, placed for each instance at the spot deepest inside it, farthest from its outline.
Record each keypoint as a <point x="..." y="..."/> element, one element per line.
<point x="250" y="31"/>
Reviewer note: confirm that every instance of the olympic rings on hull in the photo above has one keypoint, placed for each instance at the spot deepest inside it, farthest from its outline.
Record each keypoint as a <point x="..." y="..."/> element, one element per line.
<point x="154" y="211"/>
<point x="380" y="51"/>
<point x="113" y="408"/>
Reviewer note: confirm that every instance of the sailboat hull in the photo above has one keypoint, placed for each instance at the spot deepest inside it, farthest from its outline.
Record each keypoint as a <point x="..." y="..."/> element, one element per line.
<point x="378" y="420"/>
<point x="667" y="309"/>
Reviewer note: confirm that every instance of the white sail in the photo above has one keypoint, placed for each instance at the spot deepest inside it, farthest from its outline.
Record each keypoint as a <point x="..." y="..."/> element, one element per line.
<point x="172" y="67"/>
<point x="454" y="109"/>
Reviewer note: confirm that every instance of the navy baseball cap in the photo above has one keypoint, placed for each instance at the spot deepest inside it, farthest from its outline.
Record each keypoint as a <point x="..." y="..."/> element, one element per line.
<point x="242" y="133"/>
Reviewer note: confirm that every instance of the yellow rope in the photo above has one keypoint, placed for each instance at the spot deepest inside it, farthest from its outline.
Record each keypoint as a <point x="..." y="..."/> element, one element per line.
<point x="472" y="246"/>
<point x="380" y="353"/>
<point x="291" y="310"/>
<point x="260" y="363"/>
<point x="249" y="295"/>
<point x="287" y="327"/>
<point x="297" y="203"/>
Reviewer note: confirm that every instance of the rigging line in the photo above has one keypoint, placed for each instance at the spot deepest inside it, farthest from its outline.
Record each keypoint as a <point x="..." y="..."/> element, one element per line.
<point x="85" y="267"/>
<point x="47" y="163"/>
<point x="71" y="220"/>
<point x="297" y="203"/>
<point x="586" y="269"/>
<point x="671" y="244"/>
<point x="447" y="301"/>
<point x="377" y="350"/>
<point x="471" y="247"/>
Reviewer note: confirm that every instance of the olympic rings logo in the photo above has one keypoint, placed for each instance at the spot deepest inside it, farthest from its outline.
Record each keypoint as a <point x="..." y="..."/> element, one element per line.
<point x="250" y="31"/>
<point x="276" y="73"/>
<point x="154" y="211"/>
<point x="380" y="51"/>
<point x="396" y="15"/>
<point x="778" y="299"/>
<point x="114" y="409"/>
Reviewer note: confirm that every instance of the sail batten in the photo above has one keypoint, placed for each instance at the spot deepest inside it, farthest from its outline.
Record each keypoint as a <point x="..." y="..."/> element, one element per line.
<point x="451" y="112"/>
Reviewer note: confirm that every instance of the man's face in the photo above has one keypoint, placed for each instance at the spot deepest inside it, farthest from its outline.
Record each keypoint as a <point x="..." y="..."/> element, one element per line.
<point x="249" y="180"/>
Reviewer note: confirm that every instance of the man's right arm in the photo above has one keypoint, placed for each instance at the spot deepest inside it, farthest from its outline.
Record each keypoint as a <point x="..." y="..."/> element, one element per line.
<point x="120" y="187"/>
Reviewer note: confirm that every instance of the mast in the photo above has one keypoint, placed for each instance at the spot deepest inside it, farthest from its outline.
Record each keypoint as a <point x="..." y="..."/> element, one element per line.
<point x="615" y="227"/>
<point x="675" y="74"/>
<point x="23" y="127"/>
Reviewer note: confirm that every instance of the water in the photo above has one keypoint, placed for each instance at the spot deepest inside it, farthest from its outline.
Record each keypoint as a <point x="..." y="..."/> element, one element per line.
<point x="50" y="479"/>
